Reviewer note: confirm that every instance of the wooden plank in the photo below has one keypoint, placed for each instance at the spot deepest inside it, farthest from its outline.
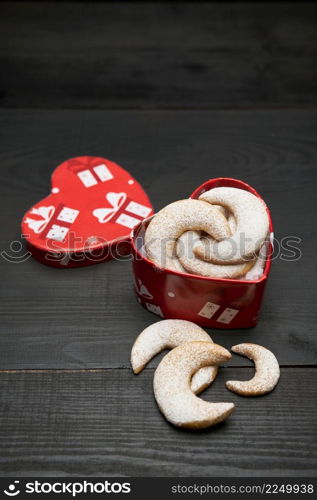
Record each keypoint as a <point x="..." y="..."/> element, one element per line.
<point x="107" y="423"/>
<point x="88" y="318"/>
<point x="161" y="55"/>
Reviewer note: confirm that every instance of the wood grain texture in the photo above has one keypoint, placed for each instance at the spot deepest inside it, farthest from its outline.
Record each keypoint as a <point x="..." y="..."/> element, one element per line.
<point x="88" y="318"/>
<point x="92" y="416"/>
<point x="107" y="423"/>
<point x="158" y="55"/>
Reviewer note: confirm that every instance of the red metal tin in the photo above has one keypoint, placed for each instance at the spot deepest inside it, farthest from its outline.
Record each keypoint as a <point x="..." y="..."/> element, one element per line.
<point x="209" y="302"/>
<point x="88" y="217"/>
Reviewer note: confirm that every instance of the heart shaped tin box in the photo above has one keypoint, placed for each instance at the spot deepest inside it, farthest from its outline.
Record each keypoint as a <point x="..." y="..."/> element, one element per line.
<point x="208" y="302"/>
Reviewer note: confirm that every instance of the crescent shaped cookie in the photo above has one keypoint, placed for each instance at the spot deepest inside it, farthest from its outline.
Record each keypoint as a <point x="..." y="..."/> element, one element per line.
<point x="229" y="216"/>
<point x="172" y="390"/>
<point x="173" y="220"/>
<point x="252" y="226"/>
<point x="168" y="334"/>
<point x="208" y="240"/>
<point x="185" y="253"/>
<point x="267" y="371"/>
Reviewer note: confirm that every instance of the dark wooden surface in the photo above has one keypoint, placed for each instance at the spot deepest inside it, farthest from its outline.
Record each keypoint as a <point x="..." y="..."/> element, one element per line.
<point x="107" y="55"/>
<point x="107" y="423"/>
<point x="69" y="401"/>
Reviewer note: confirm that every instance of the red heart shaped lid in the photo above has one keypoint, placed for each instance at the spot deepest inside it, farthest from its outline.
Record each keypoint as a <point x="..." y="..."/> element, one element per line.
<point x="93" y="205"/>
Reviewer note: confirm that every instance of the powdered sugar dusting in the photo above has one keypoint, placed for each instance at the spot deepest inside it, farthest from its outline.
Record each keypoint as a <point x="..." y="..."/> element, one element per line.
<point x="267" y="371"/>
<point x="168" y="334"/>
<point x="173" y="220"/>
<point x="252" y="225"/>
<point x="172" y="386"/>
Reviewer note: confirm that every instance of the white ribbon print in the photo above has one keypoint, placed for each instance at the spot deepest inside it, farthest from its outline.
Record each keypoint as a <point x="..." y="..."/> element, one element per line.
<point x="116" y="201"/>
<point x="37" y="225"/>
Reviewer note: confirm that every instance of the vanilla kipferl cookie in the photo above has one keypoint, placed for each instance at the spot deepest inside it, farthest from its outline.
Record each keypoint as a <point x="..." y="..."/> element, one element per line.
<point x="252" y="226"/>
<point x="173" y="220"/>
<point x="192" y="264"/>
<point x="267" y="371"/>
<point x="172" y="389"/>
<point x="168" y="334"/>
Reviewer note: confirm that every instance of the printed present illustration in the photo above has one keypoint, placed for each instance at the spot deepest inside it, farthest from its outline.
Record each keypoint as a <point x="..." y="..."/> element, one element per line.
<point x="44" y="214"/>
<point x="93" y="174"/>
<point x="142" y="290"/>
<point x="121" y="209"/>
<point x="55" y="221"/>
<point x="94" y="204"/>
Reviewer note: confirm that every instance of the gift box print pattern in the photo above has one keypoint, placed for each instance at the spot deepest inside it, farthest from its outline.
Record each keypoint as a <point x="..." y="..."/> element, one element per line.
<point x="92" y="201"/>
